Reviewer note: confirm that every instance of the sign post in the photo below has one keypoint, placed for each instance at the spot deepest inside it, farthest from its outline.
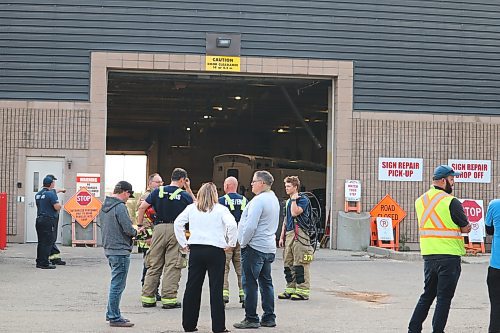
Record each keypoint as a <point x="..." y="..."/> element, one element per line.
<point x="83" y="208"/>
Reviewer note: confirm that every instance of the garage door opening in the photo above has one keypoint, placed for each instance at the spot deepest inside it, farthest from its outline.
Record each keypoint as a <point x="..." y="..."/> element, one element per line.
<point x="180" y="120"/>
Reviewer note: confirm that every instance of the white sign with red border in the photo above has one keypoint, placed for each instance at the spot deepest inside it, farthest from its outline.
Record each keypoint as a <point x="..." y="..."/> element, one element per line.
<point x="352" y="190"/>
<point x="384" y="229"/>
<point x="473" y="171"/>
<point x="92" y="181"/>
<point x="474" y="210"/>
<point x="400" y="169"/>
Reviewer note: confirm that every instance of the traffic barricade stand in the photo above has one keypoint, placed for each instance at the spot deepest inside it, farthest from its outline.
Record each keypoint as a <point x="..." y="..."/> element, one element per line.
<point x="474" y="247"/>
<point x="3" y="220"/>
<point x="374" y="241"/>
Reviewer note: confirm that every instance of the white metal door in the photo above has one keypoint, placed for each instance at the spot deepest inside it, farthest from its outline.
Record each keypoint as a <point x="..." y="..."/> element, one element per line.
<point x="36" y="170"/>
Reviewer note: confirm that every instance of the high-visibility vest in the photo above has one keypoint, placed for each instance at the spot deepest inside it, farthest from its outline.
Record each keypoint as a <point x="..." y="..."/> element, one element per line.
<point x="438" y="233"/>
<point x="231" y="204"/>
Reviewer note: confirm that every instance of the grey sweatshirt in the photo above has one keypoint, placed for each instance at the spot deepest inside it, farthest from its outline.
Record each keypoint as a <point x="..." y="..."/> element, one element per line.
<point x="259" y="222"/>
<point x="116" y="227"/>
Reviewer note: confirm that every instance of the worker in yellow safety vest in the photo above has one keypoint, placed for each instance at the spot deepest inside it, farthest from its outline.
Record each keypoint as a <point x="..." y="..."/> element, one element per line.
<point x="236" y="203"/>
<point x="441" y="221"/>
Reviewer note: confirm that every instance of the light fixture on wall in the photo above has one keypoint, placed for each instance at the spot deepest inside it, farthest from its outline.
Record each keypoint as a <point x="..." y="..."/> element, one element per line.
<point x="69" y="163"/>
<point x="223" y="42"/>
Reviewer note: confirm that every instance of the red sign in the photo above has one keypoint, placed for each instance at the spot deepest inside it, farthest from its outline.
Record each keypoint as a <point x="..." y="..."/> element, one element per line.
<point x="472" y="210"/>
<point x="83" y="198"/>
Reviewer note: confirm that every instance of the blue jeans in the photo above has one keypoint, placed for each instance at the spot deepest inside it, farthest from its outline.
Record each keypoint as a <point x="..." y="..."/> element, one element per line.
<point x="441" y="278"/>
<point x="256" y="267"/>
<point x="119" y="269"/>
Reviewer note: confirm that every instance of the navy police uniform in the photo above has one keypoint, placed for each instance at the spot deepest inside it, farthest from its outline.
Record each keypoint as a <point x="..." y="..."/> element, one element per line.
<point x="46" y="225"/>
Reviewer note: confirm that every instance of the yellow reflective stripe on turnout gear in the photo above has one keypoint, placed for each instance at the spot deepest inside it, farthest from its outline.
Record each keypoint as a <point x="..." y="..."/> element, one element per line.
<point x="242" y="293"/>
<point x="243" y="203"/>
<point x="225" y="292"/>
<point x="303" y="292"/>
<point x="172" y="196"/>
<point x="229" y="202"/>
<point x="168" y="300"/>
<point x="148" y="300"/>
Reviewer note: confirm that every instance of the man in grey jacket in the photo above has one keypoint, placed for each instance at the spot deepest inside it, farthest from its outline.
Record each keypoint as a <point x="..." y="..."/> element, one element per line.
<point x="117" y="234"/>
<point x="257" y="237"/>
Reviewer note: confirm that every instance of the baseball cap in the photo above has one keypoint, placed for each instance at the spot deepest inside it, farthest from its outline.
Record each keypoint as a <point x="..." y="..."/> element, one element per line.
<point x="48" y="180"/>
<point x="125" y="186"/>
<point x="444" y="171"/>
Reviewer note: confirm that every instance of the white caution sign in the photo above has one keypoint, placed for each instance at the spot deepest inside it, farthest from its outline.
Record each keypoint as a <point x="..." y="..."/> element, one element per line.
<point x="352" y="190"/>
<point x="400" y="169"/>
<point x="474" y="210"/>
<point x="472" y="171"/>
<point x="384" y="229"/>
<point x="91" y="181"/>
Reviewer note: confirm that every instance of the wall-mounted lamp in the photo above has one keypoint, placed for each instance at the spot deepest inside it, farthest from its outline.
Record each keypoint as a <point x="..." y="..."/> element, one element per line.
<point x="69" y="163"/>
<point x="223" y="42"/>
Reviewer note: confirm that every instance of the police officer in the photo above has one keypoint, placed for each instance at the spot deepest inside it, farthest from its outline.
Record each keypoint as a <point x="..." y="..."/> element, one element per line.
<point x="144" y="240"/>
<point x="298" y="252"/>
<point x="55" y="254"/>
<point x="235" y="203"/>
<point x="165" y="254"/>
<point x="48" y="208"/>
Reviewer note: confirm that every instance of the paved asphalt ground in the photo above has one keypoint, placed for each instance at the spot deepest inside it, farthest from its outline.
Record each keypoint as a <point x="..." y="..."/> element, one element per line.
<point x="351" y="292"/>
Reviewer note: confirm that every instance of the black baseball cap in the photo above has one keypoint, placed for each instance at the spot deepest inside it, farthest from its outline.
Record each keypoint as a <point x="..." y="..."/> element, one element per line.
<point x="126" y="187"/>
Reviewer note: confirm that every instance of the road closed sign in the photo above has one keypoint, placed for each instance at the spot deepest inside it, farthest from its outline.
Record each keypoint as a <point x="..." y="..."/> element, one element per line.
<point x="400" y="169"/>
<point x="475" y="213"/>
<point x="83" y="207"/>
<point x="472" y="171"/>
<point x="389" y="208"/>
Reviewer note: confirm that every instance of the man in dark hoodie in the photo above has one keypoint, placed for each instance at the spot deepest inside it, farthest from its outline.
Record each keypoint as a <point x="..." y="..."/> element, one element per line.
<point x="117" y="234"/>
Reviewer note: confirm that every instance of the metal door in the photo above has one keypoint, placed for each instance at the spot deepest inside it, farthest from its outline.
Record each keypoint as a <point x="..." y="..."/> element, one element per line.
<point x="36" y="170"/>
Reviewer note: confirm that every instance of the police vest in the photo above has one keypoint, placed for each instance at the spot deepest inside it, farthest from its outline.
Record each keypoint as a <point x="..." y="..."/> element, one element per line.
<point x="231" y="204"/>
<point x="438" y="233"/>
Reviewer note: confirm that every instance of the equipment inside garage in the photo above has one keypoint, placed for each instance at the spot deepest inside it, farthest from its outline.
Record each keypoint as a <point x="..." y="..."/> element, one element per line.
<point x="184" y="121"/>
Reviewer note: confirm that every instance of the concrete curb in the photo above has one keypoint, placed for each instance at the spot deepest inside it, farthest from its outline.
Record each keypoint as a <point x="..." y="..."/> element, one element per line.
<point x="415" y="256"/>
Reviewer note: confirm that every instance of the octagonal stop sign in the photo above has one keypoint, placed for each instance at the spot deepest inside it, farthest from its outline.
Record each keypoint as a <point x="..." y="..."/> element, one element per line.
<point x="473" y="211"/>
<point x="83" y="198"/>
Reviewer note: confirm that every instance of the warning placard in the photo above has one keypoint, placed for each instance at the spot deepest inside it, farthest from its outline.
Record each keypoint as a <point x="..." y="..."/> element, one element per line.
<point x="352" y="190"/>
<point x="474" y="210"/>
<point x="473" y="171"/>
<point x="384" y="229"/>
<point x="91" y="181"/>
<point x="83" y="207"/>
<point x="388" y="207"/>
<point x="400" y="169"/>
<point x="222" y="63"/>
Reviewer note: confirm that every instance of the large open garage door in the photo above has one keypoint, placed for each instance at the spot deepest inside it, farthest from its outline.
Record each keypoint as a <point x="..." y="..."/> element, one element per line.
<point x="181" y="120"/>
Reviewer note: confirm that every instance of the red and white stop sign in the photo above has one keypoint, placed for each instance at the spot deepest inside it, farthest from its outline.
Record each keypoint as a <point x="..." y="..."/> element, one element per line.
<point x="83" y="198"/>
<point x="473" y="211"/>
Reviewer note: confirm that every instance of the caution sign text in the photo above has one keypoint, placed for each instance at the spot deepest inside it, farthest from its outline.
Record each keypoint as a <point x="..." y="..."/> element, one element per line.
<point x="222" y="63"/>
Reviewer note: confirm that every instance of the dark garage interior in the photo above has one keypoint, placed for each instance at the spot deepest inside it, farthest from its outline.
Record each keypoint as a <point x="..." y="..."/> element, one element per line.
<point x="180" y="120"/>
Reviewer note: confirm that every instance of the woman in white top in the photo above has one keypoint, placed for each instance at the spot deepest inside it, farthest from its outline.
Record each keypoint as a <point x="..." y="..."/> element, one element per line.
<point x="213" y="229"/>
